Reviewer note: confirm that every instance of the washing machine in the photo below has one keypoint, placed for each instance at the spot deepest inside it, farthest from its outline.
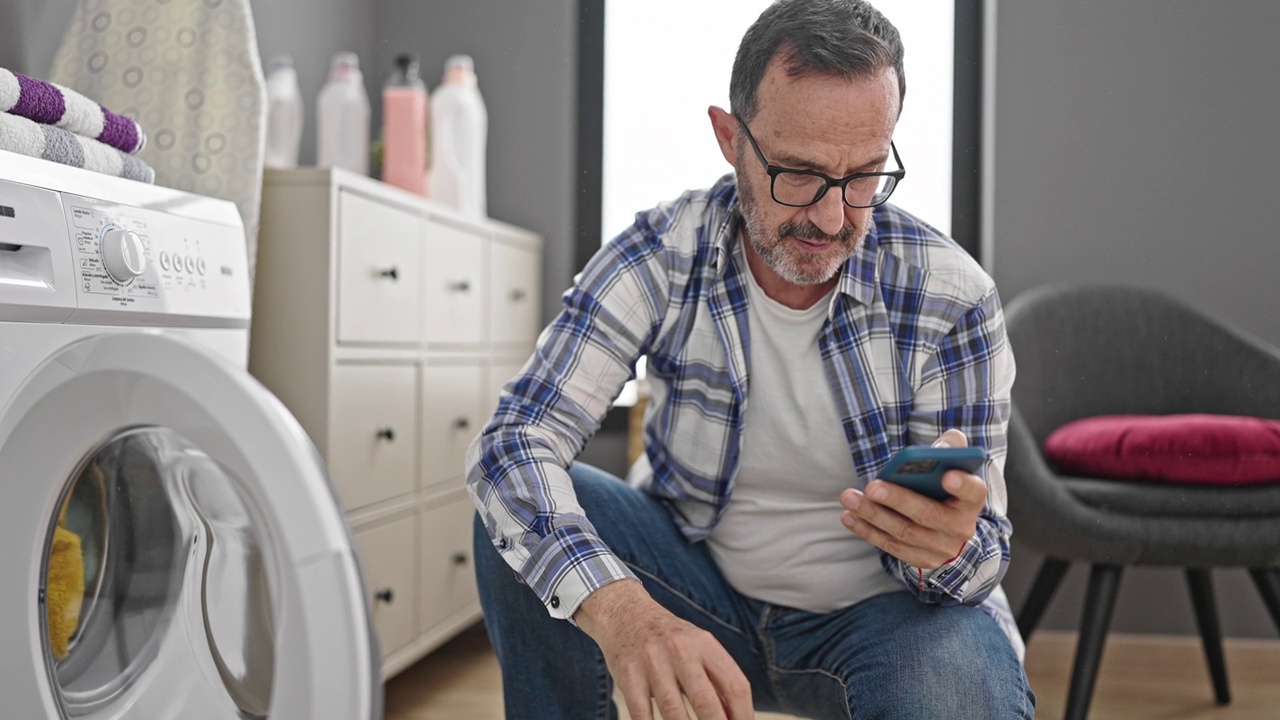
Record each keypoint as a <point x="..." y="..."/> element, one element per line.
<point x="170" y="544"/>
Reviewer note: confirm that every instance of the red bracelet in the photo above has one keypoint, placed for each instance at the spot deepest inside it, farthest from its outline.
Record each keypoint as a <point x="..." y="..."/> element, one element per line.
<point x="920" y="570"/>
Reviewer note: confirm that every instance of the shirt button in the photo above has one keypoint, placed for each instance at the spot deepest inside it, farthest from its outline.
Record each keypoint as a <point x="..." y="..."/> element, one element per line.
<point x="555" y="601"/>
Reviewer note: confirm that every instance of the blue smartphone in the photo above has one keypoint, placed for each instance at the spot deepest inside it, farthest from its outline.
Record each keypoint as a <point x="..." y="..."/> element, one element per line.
<point x="920" y="467"/>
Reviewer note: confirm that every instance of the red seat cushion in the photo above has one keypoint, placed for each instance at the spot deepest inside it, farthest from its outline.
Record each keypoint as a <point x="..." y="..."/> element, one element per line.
<point x="1194" y="449"/>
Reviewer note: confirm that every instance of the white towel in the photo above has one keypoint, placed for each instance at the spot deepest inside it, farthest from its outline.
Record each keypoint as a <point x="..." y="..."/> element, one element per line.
<point x="26" y="137"/>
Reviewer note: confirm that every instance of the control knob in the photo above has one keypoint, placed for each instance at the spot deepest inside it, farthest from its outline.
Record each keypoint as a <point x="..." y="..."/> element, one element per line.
<point x="123" y="254"/>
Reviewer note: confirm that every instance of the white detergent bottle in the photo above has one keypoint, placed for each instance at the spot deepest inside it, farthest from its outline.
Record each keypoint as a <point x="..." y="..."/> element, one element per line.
<point x="459" y="133"/>
<point x="284" y="114"/>
<point x="342" y="117"/>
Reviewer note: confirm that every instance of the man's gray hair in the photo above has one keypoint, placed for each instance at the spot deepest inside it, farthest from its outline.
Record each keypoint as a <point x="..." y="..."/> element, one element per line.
<point x="836" y="37"/>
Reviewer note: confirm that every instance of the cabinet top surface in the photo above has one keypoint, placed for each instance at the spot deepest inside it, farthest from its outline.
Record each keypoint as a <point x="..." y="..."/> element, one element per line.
<point x="335" y="179"/>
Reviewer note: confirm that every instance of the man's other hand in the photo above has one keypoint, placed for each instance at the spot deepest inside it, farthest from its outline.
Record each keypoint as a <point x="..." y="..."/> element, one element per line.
<point x="655" y="656"/>
<point x="918" y="530"/>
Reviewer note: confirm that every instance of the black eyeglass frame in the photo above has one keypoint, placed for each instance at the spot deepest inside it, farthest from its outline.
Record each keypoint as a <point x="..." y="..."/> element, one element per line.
<point x="774" y="170"/>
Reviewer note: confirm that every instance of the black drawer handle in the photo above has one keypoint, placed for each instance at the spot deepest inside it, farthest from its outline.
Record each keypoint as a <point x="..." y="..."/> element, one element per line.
<point x="393" y="272"/>
<point x="517" y="295"/>
<point x="386" y="596"/>
<point x="461" y="286"/>
<point x="462" y="423"/>
<point x="460" y="559"/>
<point x="387" y="433"/>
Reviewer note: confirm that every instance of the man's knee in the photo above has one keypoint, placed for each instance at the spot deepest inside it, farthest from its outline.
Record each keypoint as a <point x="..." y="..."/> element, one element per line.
<point x="964" y="669"/>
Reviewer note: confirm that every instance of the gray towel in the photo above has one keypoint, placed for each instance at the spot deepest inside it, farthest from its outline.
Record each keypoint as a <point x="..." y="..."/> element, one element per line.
<point x="23" y="136"/>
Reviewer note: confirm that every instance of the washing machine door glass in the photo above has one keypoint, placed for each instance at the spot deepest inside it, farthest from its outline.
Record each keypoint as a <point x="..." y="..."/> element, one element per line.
<point x="173" y="548"/>
<point x="162" y="535"/>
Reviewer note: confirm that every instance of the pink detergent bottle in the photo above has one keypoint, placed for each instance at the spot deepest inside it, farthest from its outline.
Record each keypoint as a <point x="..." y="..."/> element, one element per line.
<point x="404" y="127"/>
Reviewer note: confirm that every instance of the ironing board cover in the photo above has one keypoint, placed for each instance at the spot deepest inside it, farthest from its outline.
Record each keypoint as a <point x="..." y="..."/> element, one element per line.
<point x="190" y="73"/>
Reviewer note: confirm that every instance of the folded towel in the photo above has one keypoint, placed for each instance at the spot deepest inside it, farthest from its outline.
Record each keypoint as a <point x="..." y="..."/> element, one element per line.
<point x="50" y="104"/>
<point x="20" y="135"/>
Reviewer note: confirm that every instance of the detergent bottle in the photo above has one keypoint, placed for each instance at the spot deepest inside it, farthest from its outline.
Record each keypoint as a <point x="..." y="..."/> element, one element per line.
<point x="459" y="133"/>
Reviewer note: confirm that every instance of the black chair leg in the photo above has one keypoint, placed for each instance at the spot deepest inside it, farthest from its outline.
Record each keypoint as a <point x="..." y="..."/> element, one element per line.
<point x="1201" y="584"/>
<point x="1046" y="583"/>
<point x="1268" y="582"/>
<point x="1100" y="601"/>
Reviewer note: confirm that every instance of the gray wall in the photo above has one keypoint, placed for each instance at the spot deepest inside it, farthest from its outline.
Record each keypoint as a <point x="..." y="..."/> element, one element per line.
<point x="1136" y="141"/>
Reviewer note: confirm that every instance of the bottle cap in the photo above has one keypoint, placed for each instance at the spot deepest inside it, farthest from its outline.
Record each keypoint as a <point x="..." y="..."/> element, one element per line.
<point x="345" y="65"/>
<point x="407" y="66"/>
<point x="459" y="69"/>
<point x="280" y="62"/>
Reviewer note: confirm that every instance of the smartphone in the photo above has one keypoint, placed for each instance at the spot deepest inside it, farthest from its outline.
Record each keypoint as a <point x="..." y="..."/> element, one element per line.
<point x="920" y="467"/>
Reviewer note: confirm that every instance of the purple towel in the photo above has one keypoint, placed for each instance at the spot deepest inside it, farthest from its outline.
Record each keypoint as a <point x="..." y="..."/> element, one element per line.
<point x="50" y="104"/>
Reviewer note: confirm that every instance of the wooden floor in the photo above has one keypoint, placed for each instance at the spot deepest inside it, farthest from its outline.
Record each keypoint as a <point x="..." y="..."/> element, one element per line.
<point x="1141" y="677"/>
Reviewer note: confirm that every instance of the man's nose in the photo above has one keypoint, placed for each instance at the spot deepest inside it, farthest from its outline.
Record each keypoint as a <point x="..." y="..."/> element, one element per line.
<point x="828" y="213"/>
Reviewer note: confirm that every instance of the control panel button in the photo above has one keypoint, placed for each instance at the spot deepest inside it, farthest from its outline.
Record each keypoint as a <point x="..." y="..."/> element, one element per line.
<point x="200" y="266"/>
<point x="164" y="261"/>
<point x="177" y="262"/>
<point x="123" y="254"/>
<point x="191" y="264"/>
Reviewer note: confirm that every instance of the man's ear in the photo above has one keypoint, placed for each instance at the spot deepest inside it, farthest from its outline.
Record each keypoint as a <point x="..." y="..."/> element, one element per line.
<point x="725" y="126"/>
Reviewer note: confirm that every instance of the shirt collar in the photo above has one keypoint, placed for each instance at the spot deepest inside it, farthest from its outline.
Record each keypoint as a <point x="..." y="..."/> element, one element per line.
<point x="857" y="275"/>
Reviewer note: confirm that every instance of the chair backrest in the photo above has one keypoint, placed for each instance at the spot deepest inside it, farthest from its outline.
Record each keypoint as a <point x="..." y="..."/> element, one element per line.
<point x="1085" y="350"/>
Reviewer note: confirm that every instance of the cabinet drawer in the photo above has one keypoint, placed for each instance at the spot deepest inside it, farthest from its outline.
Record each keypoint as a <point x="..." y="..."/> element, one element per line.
<point x="379" y="286"/>
<point x="388" y="559"/>
<point x="372" y="426"/>
<point x="452" y="416"/>
<point x="515" y="286"/>
<point x="448" y="581"/>
<point x="453" y="285"/>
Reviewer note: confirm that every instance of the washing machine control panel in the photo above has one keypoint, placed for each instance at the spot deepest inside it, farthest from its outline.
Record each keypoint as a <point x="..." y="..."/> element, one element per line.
<point x="150" y="261"/>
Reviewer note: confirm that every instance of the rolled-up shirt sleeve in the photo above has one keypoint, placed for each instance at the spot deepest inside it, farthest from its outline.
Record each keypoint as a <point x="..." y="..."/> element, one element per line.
<point x="966" y="384"/>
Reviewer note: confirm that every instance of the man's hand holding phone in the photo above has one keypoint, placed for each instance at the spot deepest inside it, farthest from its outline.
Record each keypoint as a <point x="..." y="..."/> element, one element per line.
<point x="916" y="529"/>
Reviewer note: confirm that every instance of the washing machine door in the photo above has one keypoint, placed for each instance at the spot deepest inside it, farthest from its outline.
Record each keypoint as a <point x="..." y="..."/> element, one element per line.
<point x="170" y="547"/>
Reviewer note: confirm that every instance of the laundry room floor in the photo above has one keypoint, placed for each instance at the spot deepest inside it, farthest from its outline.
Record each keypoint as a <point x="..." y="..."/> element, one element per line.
<point x="1141" y="677"/>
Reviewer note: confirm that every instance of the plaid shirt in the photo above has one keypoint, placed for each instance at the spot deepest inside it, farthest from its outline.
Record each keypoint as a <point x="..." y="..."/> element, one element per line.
<point x="914" y="344"/>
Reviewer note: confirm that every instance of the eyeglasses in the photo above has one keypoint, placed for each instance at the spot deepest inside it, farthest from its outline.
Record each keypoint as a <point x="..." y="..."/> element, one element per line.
<point x="801" y="188"/>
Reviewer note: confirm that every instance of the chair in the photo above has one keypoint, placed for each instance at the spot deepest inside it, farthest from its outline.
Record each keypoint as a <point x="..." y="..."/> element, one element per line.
<point x="1085" y="351"/>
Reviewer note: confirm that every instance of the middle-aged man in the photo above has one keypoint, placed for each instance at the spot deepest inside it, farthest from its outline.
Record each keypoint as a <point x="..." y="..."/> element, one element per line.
<point x="798" y="332"/>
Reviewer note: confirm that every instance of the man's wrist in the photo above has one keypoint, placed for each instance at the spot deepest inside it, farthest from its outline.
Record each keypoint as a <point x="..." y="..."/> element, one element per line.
<point x="602" y="606"/>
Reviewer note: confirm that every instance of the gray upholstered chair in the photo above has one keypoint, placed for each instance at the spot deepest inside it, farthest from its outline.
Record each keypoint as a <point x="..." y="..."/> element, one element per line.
<point x="1085" y="351"/>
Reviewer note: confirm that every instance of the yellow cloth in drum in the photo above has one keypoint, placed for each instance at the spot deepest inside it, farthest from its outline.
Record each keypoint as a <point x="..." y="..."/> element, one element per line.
<point x="64" y="589"/>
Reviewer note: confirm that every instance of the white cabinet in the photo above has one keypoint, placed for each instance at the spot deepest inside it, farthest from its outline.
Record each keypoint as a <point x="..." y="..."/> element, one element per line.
<point x="387" y="325"/>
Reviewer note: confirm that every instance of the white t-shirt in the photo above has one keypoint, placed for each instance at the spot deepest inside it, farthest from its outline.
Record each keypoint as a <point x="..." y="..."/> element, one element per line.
<point x="780" y="539"/>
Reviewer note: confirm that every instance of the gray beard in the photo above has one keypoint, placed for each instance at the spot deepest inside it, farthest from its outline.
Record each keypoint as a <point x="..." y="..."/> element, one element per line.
<point x="792" y="266"/>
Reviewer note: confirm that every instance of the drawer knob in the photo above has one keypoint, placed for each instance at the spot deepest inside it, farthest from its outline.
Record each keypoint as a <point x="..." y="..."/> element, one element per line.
<point x="392" y="272"/>
<point x="460" y="559"/>
<point x="387" y="433"/>
<point x="385" y="596"/>
<point x="462" y="423"/>
<point x="461" y="286"/>
<point x="517" y="295"/>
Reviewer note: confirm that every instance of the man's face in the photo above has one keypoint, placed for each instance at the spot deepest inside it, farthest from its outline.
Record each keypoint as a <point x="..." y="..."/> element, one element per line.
<point x="823" y="123"/>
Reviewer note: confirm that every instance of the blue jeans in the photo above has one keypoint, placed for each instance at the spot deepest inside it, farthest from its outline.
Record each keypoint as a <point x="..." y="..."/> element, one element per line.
<point x="890" y="656"/>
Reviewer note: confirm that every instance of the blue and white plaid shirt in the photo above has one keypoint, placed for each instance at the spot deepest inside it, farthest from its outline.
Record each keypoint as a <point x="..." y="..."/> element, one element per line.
<point x="914" y="344"/>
